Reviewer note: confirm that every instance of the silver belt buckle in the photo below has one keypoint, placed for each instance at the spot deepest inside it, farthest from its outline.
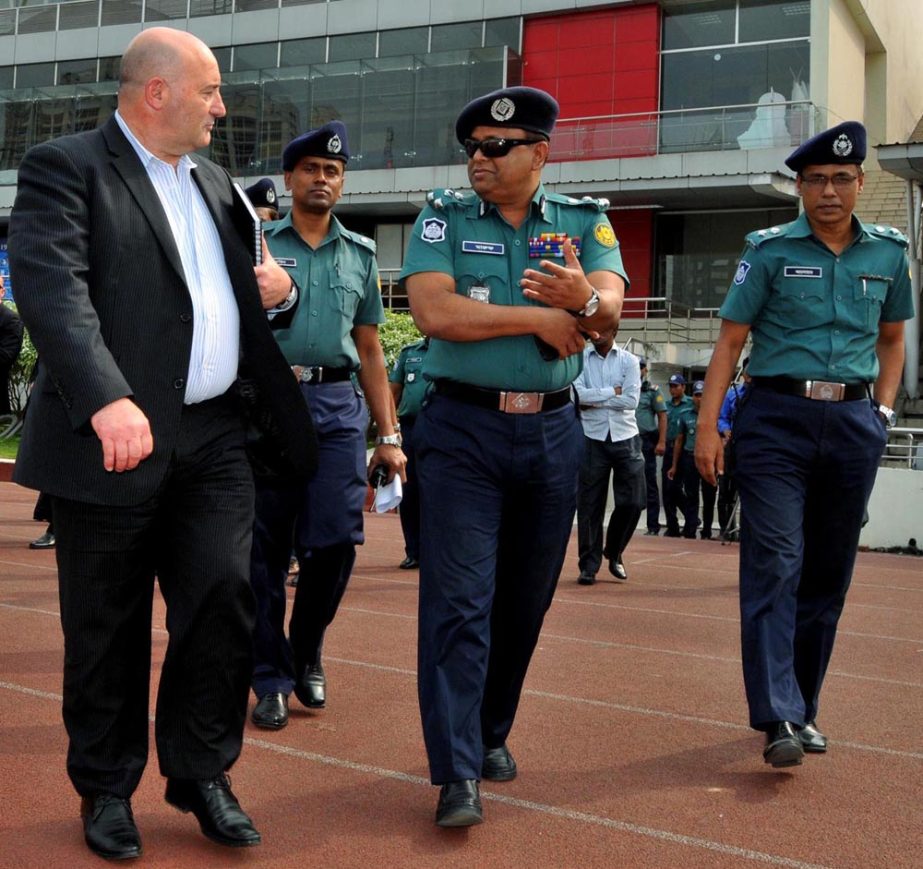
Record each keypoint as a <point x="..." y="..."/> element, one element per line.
<point x="521" y="402"/>
<point x="824" y="390"/>
<point x="305" y="373"/>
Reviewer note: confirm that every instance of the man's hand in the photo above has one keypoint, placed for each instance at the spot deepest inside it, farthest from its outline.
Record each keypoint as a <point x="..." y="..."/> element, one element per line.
<point x="709" y="455"/>
<point x="671" y="473"/>
<point x="125" y="434"/>
<point x="392" y="458"/>
<point x="558" y="286"/>
<point x="562" y="331"/>
<point x="274" y="282"/>
<point x="661" y="448"/>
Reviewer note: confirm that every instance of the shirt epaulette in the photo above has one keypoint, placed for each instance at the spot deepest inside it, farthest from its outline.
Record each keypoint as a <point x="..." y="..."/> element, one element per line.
<point x="879" y="230"/>
<point x="761" y="236"/>
<point x="585" y="201"/>
<point x="445" y="197"/>
<point x="358" y="238"/>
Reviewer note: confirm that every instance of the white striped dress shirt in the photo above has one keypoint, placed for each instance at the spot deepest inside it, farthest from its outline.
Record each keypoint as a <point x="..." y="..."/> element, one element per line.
<point x="215" y="317"/>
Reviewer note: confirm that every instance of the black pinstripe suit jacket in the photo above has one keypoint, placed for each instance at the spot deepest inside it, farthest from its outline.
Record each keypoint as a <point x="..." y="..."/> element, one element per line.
<point x="100" y="286"/>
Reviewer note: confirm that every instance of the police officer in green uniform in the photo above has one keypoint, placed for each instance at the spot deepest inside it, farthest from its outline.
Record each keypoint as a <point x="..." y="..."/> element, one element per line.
<point x="505" y="281"/>
<point x="677" y="407"/>
<point x="824" y="298"/>
<point x="684" y="472"/>
<point x="651" y="416"/>
<point x="327" y="325"/>
<point x="408" y="389"/>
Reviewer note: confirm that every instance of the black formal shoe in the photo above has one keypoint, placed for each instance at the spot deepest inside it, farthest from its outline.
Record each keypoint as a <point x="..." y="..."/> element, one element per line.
<point x="617" y="569"/>
<point x="109" y="827"/>
<point x="671" y="532"/>
<point x="271" y="712"/>
<point x="498" y="764"/>
<point x="46" y="541"/>
<point x="459" y="804"/>
<point x="652" y="532"/>
<point x="783" y="747"/>
<point x="812" y="740"/>
<point x="409" y="563"/>
<point x="586" y="578"/>
<point x="216" y="808"/>
<point x="311" y="688"/>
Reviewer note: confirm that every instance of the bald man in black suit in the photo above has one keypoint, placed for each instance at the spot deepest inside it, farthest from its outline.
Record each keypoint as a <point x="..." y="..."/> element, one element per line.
<point x="144" y="305"/>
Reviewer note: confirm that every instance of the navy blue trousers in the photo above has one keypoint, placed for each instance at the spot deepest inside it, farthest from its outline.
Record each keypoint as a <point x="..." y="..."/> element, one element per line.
<point x="671" y="491"/>
<point x="648" y="446"/>
<point x="805" y="470"/>
<point x="498" y="495"/>
<point x="322" y="521"/>
<point x="410" y="502"/>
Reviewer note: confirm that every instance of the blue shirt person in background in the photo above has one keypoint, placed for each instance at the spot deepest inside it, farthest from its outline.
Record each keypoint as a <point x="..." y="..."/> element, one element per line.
<point x="824" y="298"/>
<point x="498" y="442"/>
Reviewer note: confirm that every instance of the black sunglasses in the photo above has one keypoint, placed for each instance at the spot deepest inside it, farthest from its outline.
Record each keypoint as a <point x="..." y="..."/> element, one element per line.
<point x="495" y="147"/>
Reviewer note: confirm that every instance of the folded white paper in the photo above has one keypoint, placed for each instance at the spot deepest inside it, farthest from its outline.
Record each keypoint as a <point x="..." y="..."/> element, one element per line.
<point x="388" y="496"/>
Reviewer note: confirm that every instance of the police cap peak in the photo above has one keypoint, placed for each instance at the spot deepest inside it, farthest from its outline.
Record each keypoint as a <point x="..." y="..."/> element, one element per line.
<point x="263" y="194"/>
<point x="845" y="143"/>
<point x="698" y="387"/>
<point x="676" y="378"/>
<point x="519" y="108"/>
<point x="328" y="141"/>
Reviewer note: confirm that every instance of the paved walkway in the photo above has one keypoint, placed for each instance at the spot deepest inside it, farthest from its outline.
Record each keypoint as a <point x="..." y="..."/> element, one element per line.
<point x="631" y="739"/>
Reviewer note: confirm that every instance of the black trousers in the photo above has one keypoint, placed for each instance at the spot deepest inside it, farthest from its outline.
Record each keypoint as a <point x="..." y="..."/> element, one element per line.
<point x="648" y="447"/>
<point x="692" y="486"/>
<point x="624" y="462"/>
<point x="194" y="536"/>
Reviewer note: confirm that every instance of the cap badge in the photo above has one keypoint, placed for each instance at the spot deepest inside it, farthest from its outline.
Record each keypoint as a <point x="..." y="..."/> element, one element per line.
<point x="842" y="146"/>
<point x="502" y="109"/>
<point x="270" y="195"/>
<point x="334" y="146"/>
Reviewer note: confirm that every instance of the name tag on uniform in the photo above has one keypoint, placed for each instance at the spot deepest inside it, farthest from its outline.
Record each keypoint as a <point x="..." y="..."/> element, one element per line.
<point x="804" y="272"/>
<point x="287" y="262"/>
<point x="482" y="247"/>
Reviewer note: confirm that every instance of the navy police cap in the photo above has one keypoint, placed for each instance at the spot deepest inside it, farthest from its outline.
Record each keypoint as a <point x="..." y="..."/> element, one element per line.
<point x="676" y="379"/>
<point x="519" y="108"/>
<point x="845" y="143"/>
<point x="263" y="194"/>
<point x="327" y="141"/>
<point x="698" y="387"/>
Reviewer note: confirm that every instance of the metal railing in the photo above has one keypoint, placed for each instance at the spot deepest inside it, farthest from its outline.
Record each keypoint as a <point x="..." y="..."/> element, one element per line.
<point x="905" y="447"/>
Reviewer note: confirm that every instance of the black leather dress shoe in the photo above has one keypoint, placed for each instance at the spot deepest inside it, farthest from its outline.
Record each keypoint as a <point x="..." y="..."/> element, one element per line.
<point x="271" y="712"/>
<point x="783" y="747"/>
<point x="617" y="569"/>
<point x="812" y="740"/>
<point x="311" y="688"/>
<point x="216" y="808"/>
<point x="46" y="541"/>
<point x="409" y="563"/>
<point x="586" y="578"/>
<point x="109" y="827"/>
<point x="498" y="764"/>
<point x="459" y="804"/>
<point x="672" y="532"/>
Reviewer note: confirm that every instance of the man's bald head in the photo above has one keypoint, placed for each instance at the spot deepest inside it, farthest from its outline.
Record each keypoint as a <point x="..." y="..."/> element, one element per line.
<point x="158" y="52"/>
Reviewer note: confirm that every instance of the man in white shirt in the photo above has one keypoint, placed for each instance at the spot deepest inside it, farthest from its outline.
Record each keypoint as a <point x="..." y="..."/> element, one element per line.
<point x="608" y="390"/>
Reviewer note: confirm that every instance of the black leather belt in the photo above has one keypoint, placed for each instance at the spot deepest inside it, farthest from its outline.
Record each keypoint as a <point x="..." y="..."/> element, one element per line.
<point x="506" y="401"/>
<point x="315" y="374"/>
<point x="818" y="390"/>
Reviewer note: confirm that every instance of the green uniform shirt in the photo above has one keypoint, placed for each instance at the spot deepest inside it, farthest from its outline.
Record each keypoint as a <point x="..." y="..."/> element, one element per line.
<point x="339" y="289"/>
<point x="814" y="315"/>
<point x="466" y="238"/>
<point x="408" y="370"/>
<point x="675" y="414"/>
<point x="650" y="404"/>
<point x="687" y="426"/>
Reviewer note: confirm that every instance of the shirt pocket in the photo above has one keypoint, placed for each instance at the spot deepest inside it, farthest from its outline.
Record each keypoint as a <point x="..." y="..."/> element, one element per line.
<point x="485" y="284"/>
<point x="803" y="302"/>
<point x="345" y="295"/>
<point x="869" y="294"/>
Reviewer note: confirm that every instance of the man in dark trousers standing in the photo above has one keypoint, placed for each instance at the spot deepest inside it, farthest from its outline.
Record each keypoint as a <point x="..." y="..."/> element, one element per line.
<point x="140" y="295"/>
<point x="824" y="298"/>
<point x="651" y="416"/>
<point x="494" y="279"/>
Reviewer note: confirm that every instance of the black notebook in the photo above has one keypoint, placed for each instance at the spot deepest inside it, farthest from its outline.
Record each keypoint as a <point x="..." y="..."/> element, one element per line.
<point x="248" y="224"/>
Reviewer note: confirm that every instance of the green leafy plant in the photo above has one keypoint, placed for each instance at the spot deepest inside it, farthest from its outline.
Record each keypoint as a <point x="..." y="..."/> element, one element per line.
<point x="21" y="373"/>
<point x="397" y="330"/>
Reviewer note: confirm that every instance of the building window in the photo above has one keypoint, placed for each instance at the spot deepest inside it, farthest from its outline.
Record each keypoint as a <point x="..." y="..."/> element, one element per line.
<point x="77" y="71"/>
<point x="6" y="77"/>
<point x="109" y="68"/>
<point x="223" y="56"/>
<point x="34" y="75"/>
<point x="447" y="37"/>
<point x="121" y="12"/>
<point x="7" y="22"/>
<point x="253" y="5"/>
<point x="304" y="52"/>
<point x="41" y="20"/>
<point x="200" y="8"/>
<point x="352" y="46"/>
<point x="262" y="55"/>
<point x="761" y="20"/>
<point x="410" y="40"/>
<point x="164" y="10"/>
<point x="503" y="31"/>
<point x="75" y="15"/>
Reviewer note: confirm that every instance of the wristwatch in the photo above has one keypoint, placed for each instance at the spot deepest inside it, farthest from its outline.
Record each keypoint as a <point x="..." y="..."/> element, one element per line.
<point x="388" y="440"/>
<point x="889" y="417"/>
<point x="591" y="307"/>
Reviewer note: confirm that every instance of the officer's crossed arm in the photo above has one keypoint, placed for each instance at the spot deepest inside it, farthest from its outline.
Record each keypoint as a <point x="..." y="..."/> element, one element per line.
<point x="569" y="288"/>
<point x="709" y="447"/>
<point x="440" y="312"/>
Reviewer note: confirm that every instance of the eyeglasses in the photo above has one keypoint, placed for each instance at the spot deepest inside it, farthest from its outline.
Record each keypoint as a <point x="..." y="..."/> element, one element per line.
<point x="495" y="147"/>
<point x="840" y="181"/>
